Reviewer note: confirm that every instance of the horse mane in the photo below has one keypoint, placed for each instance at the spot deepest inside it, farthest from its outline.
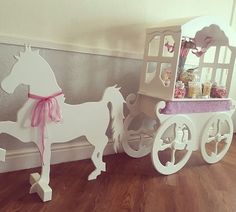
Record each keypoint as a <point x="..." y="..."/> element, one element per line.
<point x="28" y="51"/>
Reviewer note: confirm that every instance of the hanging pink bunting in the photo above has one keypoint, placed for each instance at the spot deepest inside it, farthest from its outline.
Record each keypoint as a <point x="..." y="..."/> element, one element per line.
<point x="170" y="48"/>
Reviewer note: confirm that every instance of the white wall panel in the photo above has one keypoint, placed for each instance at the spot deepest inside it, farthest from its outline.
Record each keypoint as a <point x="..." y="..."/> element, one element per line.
<point x="107" y="24"/>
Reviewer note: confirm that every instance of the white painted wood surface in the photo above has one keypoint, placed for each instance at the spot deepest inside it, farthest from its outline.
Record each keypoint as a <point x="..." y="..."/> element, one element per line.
<point x="179" y="132"/>
<point x="175" y="133"/>
<point x="90" y="119"/>
<point x="219" y="34"/>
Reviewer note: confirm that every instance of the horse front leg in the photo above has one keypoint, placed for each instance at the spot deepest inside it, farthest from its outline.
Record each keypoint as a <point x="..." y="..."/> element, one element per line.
<point x="40" y="183"/>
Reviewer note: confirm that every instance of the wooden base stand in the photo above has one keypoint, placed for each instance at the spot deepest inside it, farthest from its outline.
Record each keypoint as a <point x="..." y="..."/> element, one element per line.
<point x="42" y="189"/>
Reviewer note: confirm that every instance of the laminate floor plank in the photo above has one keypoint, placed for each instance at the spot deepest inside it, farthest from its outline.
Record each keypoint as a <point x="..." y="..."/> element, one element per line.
<point x="128" y="185"/>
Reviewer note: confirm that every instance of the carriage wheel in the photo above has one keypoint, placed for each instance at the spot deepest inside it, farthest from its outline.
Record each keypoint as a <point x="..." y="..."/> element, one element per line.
<point x="216" y="138"/>
<point x="173" y="144"/>
<point x="137" y="143"/>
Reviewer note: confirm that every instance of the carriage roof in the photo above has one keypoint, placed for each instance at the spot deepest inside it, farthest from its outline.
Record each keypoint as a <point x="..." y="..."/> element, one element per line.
<point x="199" y="27"/>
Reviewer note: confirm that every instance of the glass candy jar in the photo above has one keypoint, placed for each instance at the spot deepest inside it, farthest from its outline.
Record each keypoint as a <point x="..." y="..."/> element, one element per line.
<point x="180" y="90"/>
<point x="218" y="91"/>
<point x="189" y="75"/>
<point x="206" y="89"/>
<point x="194" y="89"/>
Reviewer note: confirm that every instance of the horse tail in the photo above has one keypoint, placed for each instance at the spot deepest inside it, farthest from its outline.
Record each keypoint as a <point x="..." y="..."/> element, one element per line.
<point x="113" y="95"/>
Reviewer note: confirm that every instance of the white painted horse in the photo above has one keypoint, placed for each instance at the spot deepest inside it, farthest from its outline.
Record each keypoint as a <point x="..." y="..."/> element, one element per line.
<point x="39" y="120"/>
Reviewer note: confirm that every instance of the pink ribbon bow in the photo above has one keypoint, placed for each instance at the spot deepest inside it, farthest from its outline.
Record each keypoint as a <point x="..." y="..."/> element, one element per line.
<point x="45" y="109"/>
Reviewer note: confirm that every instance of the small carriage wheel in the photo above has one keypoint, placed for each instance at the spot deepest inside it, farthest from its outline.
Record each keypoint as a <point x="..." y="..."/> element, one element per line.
<point x="179" y="138"/>
<point x="217" y="130"/>
<point x="143" y="137"/>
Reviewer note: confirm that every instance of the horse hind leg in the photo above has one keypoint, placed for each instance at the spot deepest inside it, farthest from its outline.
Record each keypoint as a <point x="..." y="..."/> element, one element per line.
<point x="99" y="144"/>
<point x="12" y="128"/>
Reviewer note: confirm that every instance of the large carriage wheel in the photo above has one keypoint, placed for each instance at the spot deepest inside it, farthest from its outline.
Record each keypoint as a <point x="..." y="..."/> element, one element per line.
<point x="173" y="144"/>
<point x="216" y="138"/>
<point x="137" y="143"/>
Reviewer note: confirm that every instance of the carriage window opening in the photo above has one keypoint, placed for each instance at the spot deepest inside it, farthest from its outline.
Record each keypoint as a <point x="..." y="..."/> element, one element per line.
<point x="218" y="75"/>
<point x="168" y="47"/>
<point x="165" y="74"/>
<point x="206" y="75"/>
<point x="191" y="61"/>
<point x="221" y="76"/>
<point x="224" y="55"/>
<point x="151" y="69"/>
<point x="209" y="55"/>
<point x="154" y="46"/>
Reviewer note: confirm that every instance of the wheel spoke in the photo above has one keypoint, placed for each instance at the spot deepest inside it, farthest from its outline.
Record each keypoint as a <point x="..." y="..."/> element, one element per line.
<point x="218" y="126"/>
<point x="172" y="160"/>
<point x="210" y="139"/>
<point x="173" y="157"/>
<point x="164" y="146"/>
<point x="225" y="136"/>
<point x="143" y="142"/>
<point x="178" y="132"/>
<point x="216" y="148"/>
<point x="179" y="145"/>
<point x="133" y="133"/>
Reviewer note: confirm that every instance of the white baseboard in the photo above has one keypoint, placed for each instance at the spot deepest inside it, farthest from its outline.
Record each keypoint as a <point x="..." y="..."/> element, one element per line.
<point x="61" y="153"/>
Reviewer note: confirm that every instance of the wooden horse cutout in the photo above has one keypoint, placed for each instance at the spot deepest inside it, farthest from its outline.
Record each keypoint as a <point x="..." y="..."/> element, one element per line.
<point x="45" y="118"/>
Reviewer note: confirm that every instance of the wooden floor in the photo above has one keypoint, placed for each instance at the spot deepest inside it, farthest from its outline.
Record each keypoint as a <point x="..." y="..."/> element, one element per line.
<point x="128" y="185"/>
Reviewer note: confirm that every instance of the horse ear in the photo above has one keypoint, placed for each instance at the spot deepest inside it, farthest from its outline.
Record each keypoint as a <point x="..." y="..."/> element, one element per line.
<point x="27" y="48"/>
<point x="116" y="86"/>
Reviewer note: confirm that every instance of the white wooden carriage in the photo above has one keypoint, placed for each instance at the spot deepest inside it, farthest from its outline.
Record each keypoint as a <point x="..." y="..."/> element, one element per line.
<point x="182" y="104"/>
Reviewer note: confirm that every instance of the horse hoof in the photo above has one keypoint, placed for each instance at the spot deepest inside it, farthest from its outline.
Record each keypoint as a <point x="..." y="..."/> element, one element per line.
<point x="93" y="175"/>
<point x="103" y="167"/>
<point x="42" y="189"/>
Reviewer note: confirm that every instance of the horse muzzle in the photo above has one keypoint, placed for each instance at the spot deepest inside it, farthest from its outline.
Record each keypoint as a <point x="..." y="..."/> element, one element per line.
<point x="8" y="86"/>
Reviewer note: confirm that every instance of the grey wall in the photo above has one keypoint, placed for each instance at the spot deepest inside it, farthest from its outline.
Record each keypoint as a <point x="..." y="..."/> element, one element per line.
<point x="82" y="77"/>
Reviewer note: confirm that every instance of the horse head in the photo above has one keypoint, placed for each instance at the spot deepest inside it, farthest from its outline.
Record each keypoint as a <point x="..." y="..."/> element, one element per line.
<point x="30" y="69"/>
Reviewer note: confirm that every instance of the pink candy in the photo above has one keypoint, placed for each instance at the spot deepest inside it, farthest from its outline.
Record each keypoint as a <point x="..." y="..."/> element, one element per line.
<point x="218" y="92"/>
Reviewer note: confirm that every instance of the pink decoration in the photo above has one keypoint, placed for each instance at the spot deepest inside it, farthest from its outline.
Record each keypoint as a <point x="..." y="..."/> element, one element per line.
<point x="46" y="108"/>
<point x="180" y="90"/>
<point x="170" y="48"/>
<point x="183" y="107"/>
<point x="218" y="92"/>
<point x="200" y="51"/>
<point x="179" y="93"/>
